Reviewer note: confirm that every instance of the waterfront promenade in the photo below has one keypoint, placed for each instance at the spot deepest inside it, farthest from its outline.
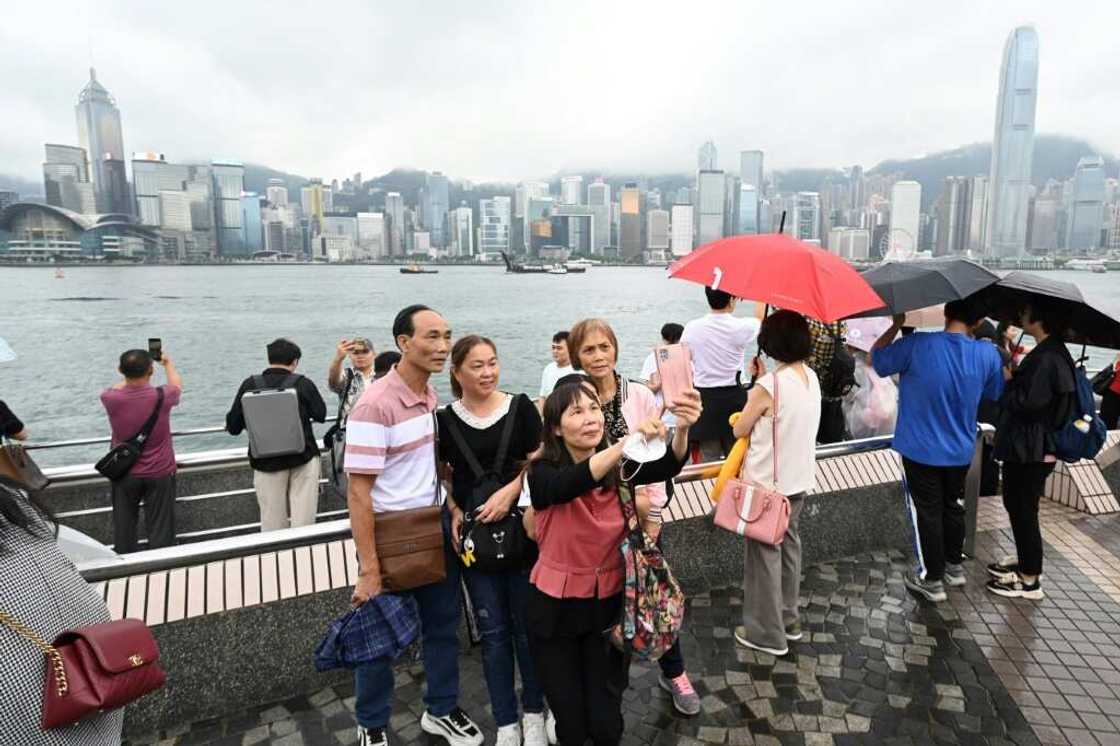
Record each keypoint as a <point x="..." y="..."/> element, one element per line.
<point x="876" y="665"/>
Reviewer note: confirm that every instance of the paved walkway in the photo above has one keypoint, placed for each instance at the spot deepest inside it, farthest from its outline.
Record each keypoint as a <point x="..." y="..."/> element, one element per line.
<point x="878" y="666"/>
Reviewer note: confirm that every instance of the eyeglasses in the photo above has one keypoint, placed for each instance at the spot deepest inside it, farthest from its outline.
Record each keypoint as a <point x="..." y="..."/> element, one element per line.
<point x="359" y="350"/>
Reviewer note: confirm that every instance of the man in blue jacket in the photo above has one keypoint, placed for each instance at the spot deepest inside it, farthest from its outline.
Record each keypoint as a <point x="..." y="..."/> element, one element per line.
<point x="942" y="378"/>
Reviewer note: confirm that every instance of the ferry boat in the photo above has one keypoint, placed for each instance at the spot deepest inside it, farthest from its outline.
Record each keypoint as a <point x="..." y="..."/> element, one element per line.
<point x="518" y="268"/>
<point x="1087" y="265"/>
<point x="416" y="269"/>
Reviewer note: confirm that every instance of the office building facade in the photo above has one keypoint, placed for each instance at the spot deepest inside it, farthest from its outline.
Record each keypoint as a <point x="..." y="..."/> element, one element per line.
<point x="494" y="225"/>
<point x="906" y="210"/>
<point x="707" y="158"/>
<point x="681" y="229"/>
<point x="630" y="222"/>
<point x="99" y="134"/>
<point x="599" y="202"/>
<point x="66" y="181"/>
<point x="711" y="202"/>
<point x="1013" y="146"/>
<point x="1086" y="213"/>
<point x="807" y="217"/>
<point x="435" y="206"/>
<point x="571" y="190"/>
<point x="462" y="231"/>
<point x="229" y="183"/>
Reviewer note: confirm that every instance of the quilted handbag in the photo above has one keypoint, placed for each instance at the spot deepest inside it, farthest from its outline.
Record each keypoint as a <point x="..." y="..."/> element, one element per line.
<point x="93" y="669"/>
<point x="752" y="510"/>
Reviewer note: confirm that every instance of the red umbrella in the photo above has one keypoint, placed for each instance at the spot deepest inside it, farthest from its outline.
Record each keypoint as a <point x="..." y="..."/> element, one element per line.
<point x="779" y="270"/>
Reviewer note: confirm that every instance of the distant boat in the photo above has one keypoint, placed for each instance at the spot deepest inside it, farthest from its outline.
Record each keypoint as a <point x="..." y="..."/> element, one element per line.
<point x="559" y="269"/>
<point x="1090" y="265"/>
<point x="523" y="269"/>
<point x="416" y="269"/>
<point x="59" y="274"/>
<point x="576" y="266"/>
<point x="1099" y="269"/>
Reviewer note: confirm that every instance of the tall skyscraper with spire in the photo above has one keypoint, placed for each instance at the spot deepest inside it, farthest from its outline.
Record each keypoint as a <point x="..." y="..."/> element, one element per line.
<point x="1013" y="146"/>
<point x="99" y="133"/>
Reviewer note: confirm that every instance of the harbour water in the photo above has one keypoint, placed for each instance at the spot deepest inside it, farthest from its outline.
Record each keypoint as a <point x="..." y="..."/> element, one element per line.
<point x="215" y="322"/>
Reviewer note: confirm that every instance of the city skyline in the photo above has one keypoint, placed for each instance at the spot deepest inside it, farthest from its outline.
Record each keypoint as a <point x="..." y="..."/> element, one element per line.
<point x="277" y="111"/>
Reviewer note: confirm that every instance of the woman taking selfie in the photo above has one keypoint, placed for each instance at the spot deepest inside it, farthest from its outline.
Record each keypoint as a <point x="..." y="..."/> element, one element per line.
<point x="577" y="580"/>
<point x="485" y="435"/>
<point x="782" y="457"/>
<point x="626" y="404"/>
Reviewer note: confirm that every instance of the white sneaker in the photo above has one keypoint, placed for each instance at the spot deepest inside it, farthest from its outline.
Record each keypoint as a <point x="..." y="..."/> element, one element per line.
<point x="455" y="728"/>
<point x="509" y="735"/>
<point x="533" y="726"/>
<point x="550" y="729"/>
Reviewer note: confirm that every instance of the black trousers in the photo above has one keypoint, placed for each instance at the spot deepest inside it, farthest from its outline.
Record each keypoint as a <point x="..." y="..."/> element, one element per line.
<point x="833" y="428"/>
<point x="1110" y="409"/>
<point x="935" y="497"/>
<point x="158" y="497"/>
<point x="1022" y="488"/>
<point x="583" y="678"/>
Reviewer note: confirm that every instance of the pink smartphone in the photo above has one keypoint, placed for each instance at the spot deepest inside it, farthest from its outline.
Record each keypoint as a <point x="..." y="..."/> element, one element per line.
<point x="674" y="367"/>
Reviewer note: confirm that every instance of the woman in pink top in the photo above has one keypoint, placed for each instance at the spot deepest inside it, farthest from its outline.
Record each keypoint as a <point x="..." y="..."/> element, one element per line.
<point x="577" y="581"/>
<point x="626" y="404"/>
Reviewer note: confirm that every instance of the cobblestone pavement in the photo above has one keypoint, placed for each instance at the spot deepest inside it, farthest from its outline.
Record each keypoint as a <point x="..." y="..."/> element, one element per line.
<point x="876" y="665"/>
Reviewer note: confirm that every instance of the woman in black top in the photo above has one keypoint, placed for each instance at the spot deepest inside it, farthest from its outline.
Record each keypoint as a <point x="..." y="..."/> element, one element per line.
<point x="1039" y="399"/>
<point x="478" y="420"/>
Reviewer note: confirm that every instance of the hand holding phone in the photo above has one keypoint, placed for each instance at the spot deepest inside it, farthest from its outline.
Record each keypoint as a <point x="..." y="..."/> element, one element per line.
<point x="674" y="368"/>
<point x="155" y="348"/>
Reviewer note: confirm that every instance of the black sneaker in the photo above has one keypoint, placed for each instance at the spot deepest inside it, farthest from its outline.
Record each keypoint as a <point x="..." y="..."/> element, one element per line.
<point x="931" y="590"/>
<point x="372" y="737"/>
<point x="1005" y="569"/>
<point x="454" y="727"/>
<point x="954" y="575"/>
<point x="1016" y="588"/>
<point x="793" y="631"/>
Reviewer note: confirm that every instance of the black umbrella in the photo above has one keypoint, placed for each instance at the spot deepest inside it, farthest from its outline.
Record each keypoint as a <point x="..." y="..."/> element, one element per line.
<point x="908" y="286"/>
<point x="1006" y="299"/>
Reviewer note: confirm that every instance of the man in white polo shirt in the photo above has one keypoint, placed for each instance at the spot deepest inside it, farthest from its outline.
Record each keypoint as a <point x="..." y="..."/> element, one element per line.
<point x="719" y="344"/>
<point x="391" y="465"/>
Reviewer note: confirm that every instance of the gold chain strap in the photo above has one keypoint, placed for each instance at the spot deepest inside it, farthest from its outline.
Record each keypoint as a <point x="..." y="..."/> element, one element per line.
<point x="49" y="650"/>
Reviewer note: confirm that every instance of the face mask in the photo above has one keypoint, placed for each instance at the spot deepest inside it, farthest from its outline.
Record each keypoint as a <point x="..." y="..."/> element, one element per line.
<point x="642" y="451"/>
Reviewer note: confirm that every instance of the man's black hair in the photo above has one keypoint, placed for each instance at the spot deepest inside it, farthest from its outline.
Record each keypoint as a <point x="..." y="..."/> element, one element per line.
<point x="402" y="324"/>
<point x="283" y="352"/>
<point x="718" y="300"/>
<point x="561" y="336"/>
<point x="1052" y="313"/>
<point x="966" y="311"/>
<point x="135" y="363"/>
<point x="672" y="332"/>
<point x="384" y="362"/>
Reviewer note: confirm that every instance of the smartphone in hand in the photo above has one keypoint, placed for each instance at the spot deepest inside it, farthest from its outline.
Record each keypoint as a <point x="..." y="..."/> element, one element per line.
<point x="674" y="367"/>
<point x="155" y="348"/>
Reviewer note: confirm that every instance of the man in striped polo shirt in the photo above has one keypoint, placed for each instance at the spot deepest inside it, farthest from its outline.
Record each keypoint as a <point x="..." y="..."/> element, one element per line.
<point x="391" y="465"/>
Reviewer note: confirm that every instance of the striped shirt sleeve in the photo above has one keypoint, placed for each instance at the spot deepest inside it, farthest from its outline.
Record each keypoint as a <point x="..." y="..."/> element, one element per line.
<point x="367" y="441"/>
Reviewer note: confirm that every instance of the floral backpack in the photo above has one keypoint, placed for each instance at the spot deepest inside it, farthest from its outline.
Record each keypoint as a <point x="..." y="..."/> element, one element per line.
<point x="652" y="602"/>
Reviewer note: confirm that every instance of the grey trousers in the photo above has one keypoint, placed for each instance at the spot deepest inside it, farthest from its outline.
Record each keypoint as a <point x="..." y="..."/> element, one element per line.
<point x="772" y="583"/>
<point x="157" y="495"/>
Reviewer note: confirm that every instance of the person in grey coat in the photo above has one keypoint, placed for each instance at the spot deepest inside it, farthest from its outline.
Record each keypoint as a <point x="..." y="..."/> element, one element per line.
<point x="49" y="598"/>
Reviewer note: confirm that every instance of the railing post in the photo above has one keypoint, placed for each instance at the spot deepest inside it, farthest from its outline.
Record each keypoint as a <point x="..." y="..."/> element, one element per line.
<point x="972" y="493"/>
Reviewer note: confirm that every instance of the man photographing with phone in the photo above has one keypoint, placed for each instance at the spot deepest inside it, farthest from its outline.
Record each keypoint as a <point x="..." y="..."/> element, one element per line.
<point x="151" y="480"/>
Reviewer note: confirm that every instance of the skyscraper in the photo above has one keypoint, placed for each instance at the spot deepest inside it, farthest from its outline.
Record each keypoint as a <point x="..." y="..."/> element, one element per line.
<point x="710" y="186"/>
<point x="229" y="183"/>
<point x="707" y="158"/>
<point x="599" y="201"/>
<point x="99" y="132"/>
<point x="494" y="225"/>
<point x="371" y="235"/>
<point x="8" y="197"/>
<point x="750" y="169"/>
<point x="462" y="227"/>
<point x="807" y="216"/>
<point x="657" y="233"/>
<point x="906" y="210"/>
<point x="1086" y="216"/>
<point x="277" y="192"/>
<point x="1013" y="146"/>
<point x="571" y="190"/>
<point x="526" y="191"/>
<point x="630" y="222"/>
<point x="66" y="179"/>
<point x="394" y="222"/>
<point x="151" y="175"/>
<point x="681" y="229"/>
<point x="748" y="210"/>
<point x="977" y="214"/>
<point x="953" y="216"/>
<point x="436" y="206"/>
<point x="252" y="230"/>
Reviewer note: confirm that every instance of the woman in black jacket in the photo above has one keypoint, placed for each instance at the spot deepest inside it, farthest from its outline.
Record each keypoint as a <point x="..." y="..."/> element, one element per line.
<point x="1039" y="400"/>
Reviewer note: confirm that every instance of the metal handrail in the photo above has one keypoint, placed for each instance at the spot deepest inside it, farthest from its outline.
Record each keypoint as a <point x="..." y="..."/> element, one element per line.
<point x="202" y="552"/>
<point x="31" y="446"/>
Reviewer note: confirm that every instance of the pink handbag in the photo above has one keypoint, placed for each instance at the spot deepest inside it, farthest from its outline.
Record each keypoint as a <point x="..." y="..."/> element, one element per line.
<point x="751" y="510"/>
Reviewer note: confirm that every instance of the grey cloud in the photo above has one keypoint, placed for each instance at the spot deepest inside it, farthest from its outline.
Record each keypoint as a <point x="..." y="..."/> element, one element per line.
<point x="488" y="90"/>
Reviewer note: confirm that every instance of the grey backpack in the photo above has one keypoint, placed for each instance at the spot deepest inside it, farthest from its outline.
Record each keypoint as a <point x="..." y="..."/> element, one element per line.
<point x="272" y="418"/>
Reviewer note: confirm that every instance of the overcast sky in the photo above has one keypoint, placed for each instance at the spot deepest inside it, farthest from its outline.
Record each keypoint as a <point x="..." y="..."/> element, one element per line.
<point x="507" y="91"/>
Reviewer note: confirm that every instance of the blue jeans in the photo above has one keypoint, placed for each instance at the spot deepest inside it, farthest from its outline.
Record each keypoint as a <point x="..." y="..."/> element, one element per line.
<point x="499" y="605"/>
<point x="439" y="635"/>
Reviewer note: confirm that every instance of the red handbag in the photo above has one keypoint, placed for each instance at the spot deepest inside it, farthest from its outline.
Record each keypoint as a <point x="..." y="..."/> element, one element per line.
<point x="94" y="669"/>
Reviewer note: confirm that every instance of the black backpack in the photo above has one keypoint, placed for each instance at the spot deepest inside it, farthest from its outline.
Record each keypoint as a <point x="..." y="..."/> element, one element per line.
<point x="841" y="369"/>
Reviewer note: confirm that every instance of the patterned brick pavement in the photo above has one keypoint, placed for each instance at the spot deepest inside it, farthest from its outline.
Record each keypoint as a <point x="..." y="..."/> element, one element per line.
<point x="877" y="666"/>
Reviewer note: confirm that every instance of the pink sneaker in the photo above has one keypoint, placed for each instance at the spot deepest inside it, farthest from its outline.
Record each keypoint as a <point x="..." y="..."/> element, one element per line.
<point x="685" y="699"/>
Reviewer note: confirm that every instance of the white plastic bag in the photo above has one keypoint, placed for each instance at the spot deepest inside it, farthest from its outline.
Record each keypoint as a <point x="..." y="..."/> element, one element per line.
<point x="872" y="407"/>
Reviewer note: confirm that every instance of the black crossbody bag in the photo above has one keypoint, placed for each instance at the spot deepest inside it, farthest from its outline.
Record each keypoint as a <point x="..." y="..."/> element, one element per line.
<point x="117" y="463"/>
<point x="502" y="545"/>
